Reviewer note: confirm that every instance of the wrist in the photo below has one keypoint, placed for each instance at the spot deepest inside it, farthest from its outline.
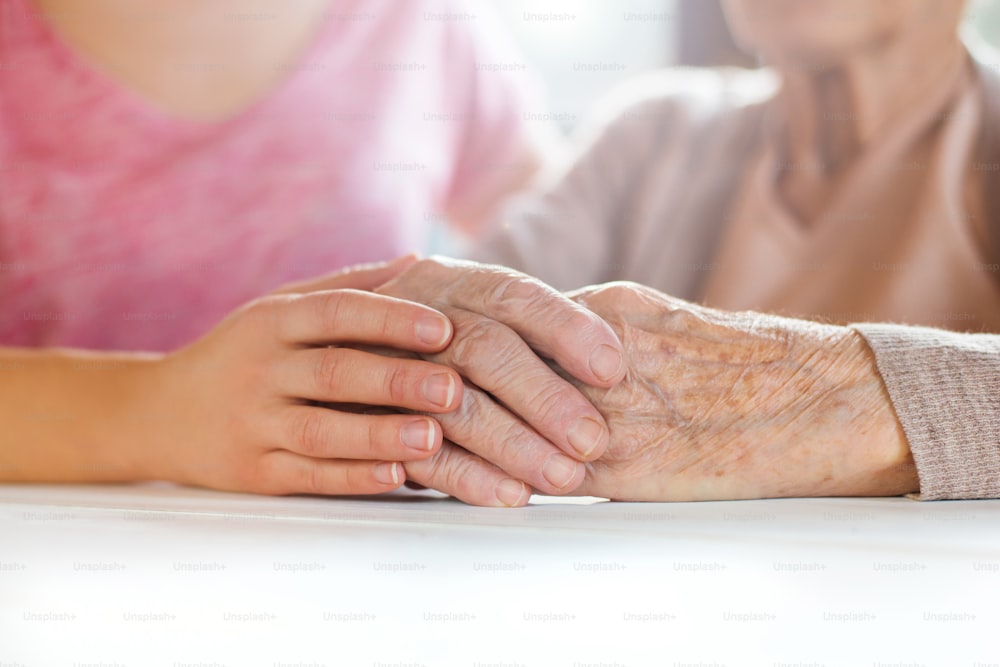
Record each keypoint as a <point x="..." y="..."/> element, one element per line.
<point x="146" y="418"/>
<point x="881" y="447"/>
<point x="126" y="428"/>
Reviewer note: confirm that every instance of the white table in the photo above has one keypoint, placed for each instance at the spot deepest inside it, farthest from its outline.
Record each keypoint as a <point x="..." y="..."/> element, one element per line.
<point x="158" y="575"/>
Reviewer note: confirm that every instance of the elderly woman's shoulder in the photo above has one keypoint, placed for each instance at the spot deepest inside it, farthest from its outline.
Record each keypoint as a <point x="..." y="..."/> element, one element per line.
<point x="682" y="96"/>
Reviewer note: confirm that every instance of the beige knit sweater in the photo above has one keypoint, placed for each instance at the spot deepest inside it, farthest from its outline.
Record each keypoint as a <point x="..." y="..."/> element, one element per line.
<point x="651" y="198"/>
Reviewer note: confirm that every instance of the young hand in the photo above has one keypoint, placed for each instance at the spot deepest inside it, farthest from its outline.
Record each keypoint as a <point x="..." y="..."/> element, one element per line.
<point x="245" y="400"/>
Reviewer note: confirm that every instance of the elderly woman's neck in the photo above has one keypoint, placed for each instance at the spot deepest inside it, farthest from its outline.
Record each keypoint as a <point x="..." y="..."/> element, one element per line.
<point x="832" y="113"/>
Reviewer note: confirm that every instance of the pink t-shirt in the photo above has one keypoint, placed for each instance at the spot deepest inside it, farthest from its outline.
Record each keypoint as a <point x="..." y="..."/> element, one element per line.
<point x="123" y="227"/>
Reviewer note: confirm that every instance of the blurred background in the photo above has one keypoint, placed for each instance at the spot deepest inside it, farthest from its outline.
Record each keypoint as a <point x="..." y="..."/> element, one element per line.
<point x="582" y="47"/>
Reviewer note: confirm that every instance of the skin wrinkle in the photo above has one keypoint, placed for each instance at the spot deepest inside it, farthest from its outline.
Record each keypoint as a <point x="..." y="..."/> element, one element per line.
<point x="470" y="336"/>
<point x="548" y="398"/>
<point x="722" y="396"/>
<point x="719" y="405"/>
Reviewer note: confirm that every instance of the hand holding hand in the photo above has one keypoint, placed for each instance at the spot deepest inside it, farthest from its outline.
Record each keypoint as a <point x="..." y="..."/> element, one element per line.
<point x="245" y="400"/>
<point x="518" y="420"/>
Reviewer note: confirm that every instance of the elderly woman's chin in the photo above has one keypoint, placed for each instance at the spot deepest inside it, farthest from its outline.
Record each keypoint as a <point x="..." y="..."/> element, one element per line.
<point x="814" y="32"/>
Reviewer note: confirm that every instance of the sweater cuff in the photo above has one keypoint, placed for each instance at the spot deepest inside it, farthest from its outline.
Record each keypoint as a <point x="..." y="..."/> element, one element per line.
<point x="945" y="388"/>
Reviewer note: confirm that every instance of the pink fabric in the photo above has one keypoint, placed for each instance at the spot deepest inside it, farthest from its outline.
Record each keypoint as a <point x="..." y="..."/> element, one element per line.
<point x="122" y="227"/>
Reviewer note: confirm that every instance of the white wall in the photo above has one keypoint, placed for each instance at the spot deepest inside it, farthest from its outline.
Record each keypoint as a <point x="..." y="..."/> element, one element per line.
<point x="582" y="47"/>
<point x="984" y="15"/>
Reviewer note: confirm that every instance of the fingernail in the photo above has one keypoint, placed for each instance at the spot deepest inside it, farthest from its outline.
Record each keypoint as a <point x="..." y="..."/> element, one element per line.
<point x="440" y="389"/>
<point x="585" y="435"/>
<point x="433" y="330"/>
<point x="606" y="362"/>
<point x="387" y="473"/>
<point x="559" y="470"/>
<point x="510" y="492"/>
<point x="418" y="435"/>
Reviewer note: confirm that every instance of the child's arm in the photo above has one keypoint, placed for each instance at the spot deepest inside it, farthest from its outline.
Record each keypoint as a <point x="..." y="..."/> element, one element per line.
<point x="71" y="415"/>
<point x="235" y="409"/>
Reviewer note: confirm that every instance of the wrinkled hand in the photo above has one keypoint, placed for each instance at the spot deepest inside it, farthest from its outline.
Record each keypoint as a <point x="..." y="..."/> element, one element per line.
<point x="721" y="405"/>
<point x="518" y="419"/>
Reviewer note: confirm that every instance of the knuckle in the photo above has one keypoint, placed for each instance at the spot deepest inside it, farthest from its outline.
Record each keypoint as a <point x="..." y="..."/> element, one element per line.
<point x="327" y="370"/>
<point x="387" y="318"/>
<point x="576" y="326"/>
<point x="374" y="432"/>
<point x="432" y="472"/>
<point x="427" y="268"/>
<point x="329" y="306"/>
<point x="396" y="384"/>
<point x="454" y="473"/>
<point x="313" y="479"/>
<point x="259" y="306"/>
<point x="511" y="447"/>
<point x="476" y="340"/>
<point x="468" y="413"/>
<point x="431" y="264"/>
<point x="467" y="481"/>
<point x="308" y="431"/>
<point x="522" y="450"/>
<point x="507" y="379"/>
<point x="356" y="480"/>
<point x="419" y="471"/>
<point x="621" y="290"/>
<point x="510" y="291"/>
<point x="260" y="477"/>
<point x="626" y="287"/>
<point x="553" y="401"/>
<point x="260" y="311"/>
<point x="684" y="319"/>
<point x="424" y="276"/>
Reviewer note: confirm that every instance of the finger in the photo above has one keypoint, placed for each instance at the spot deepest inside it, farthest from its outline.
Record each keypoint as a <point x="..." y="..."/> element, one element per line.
<point x="360" y="277"/>
<point x="489" y="431"/>
<point x="322" y="433"/>
<point x="286" y="473"/>
<point x="577" y="339"/>
<point x="580" y="341"/>
<point x="469" y="478"/>
<point x="344" y="375"/>
<point x="350" y="316"/>
<point x="496" y="359"/>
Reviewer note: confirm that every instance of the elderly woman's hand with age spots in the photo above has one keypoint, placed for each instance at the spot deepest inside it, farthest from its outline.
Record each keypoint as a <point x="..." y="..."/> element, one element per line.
<point x="729" y="405"/>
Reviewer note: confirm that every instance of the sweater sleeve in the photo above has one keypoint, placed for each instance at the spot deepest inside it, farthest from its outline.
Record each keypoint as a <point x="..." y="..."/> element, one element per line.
<point x="945" y="388"/>
<point x="647" y="188"/>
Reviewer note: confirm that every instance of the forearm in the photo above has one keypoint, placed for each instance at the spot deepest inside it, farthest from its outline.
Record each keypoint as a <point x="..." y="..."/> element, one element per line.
<point x="75" y="416"/>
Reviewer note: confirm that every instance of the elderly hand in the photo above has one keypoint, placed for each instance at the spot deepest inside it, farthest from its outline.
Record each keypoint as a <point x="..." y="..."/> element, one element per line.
<point x="718" y="405"/>
<point x="518" y="419"/>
